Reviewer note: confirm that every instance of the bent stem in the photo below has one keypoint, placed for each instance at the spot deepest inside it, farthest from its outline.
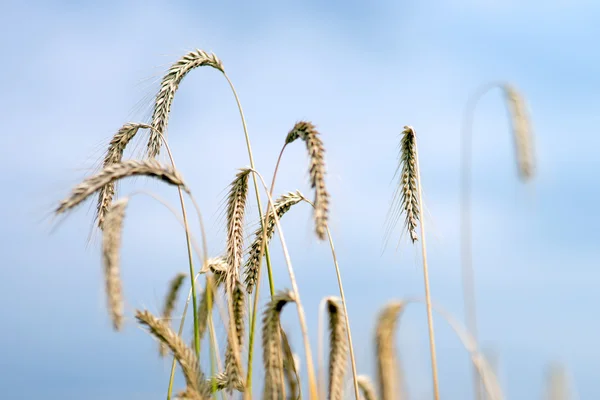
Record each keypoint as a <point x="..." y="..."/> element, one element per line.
<point x="426" y="280"/>
<point x="301" y="315"/>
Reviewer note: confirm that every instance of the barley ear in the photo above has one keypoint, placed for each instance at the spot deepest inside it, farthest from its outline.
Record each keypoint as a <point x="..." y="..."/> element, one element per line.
<point x="556" y="383"/>
<point x="281" y="206"/>
<point x="271" y="342"/>
<point x="388" y="372"/>
<point x="290" y="368"/>
<point x="306" y="131"/>
<point x="114" y="154"/>
<point x="366" y="387"/>
<point x="169" y="85"/>
<point x="522" y="132"/>
<point x="338" y="349"/>
<point x="169" y="305"/>
<point x="233" y="360"/>
<point x="111" y="246"/>
<point x="236" y="209"/>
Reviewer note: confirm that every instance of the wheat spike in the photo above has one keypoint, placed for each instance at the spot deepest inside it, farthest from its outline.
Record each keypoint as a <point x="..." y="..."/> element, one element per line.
<point x="115" y="172"/>
<point x="521" y="127"/>
<point x="111" y="245"/>
<point x="184" y="355"/>
<point x="169" y="305"/>
<point x="114" y="154"/>
<point x="366" y="387"/>
<point x="271" y="342"/>
<point x="233" y="366"/>
<point x="338" y="348"/>
<point x="236" y="208"/>
<point x="168" y="87"/>
<point x="281" y="206"/>
<point x="290" y="368"/>
<point x="387" y="365"/>
<point x="307" y="132"/>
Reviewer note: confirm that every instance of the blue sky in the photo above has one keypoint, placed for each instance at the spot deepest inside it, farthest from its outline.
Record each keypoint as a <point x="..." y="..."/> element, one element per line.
<point x="74" y="72"/>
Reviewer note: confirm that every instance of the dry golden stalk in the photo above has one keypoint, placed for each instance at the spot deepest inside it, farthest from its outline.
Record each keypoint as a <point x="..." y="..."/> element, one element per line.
<point x="114" y="154"/>
<point x="306" y="131"/>
<point x="170" y="301"/>
<point x="271" y="343"/>
<point x="117" y="171"/>
<point x="366" y="387"/>
<point x="111" y="245"/>
<point x="522" y="132"/>
<point x="338" y="348"/>
<point x="168" y="87"/>
<point x="281" y="206"/>
<point x="184" y="355"/>
<point x="388" y="372"/>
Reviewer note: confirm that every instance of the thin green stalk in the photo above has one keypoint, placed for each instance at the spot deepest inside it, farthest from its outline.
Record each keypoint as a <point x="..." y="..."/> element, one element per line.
<point x="436" y="390"/>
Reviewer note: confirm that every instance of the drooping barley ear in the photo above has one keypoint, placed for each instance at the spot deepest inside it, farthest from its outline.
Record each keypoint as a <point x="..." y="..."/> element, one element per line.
<point x="117" y="171"/>
<point x="184" y="355"/>
<point x="168" y="87"/>
<point x="307" y="132"/>
<point x="338" y="348"/>
<point x="406" y="197"/>
<point x="236" y="209"/>
<point x="281" y="206"/>
<point x="388" y="371"/>
<point x="111" y="246"/>
<point x="233" y="360"/>
<point x="169" y="305"/>
<point x="114" y="154"/>
<point x="366" y="387"/>
<point x="290" y="369"/>
<point x="521" y="128"/>
<point x="271" y="342"/>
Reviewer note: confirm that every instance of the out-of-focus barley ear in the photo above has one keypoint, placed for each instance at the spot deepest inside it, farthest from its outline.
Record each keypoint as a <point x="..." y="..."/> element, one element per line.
<point x="366" y="387"/>
<point x="169" y="85"/>
<point x="338" y="348"/>
<point x="557" y="385"/>
<point x="111" y="249"/>
<point x="290" y="368"/>
<point x="117" y="171"/>
<point x="169" y="305"/>
<point x="236" y="209"/>
<point x="233" y="359"/>
<point x="388" y="370"/>
<point x="281" y="206"/>
<point x="521" y="127"/>
<point x="113" y="155"/>
<point x="184" y="355"/>
<point x="272" y="347"/>
<point x="306" y="131"/>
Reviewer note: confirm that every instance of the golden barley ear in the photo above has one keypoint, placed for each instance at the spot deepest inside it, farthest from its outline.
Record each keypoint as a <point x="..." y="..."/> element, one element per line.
<point x="388" y="371"/>
<point x="169" y="85"/>
<point x="290" y="369"/>
<point x="169" y="305"/>
<point x="338" y="348"/>
<point x="233" y="361"/>
<point x="114" y="154"/>
<point x="274" y="388"/>
<point x="557" y="387"/>
<point x="306" y="131"/>
<point x="115" y="172"/>
<point x="236" y="210"/>
<point x="111" y="247"/>
<point x="366" y="387"/>
<point x="281" y="206"/>
<point x="521" y="127"/>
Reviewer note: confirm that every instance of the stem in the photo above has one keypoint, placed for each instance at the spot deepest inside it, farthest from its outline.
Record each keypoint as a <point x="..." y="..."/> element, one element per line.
<point x="301" y="315"/>
<point x="426" y="279"/>
<point x="267" y="254"/>
<point x="466" y="222"/>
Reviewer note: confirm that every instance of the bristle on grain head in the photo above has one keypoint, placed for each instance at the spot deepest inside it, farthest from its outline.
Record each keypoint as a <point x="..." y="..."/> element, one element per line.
<point x="387" y="364"/>
<point x="523" y="135"/>
<point x="115" y="172"/>
<point x="409" y="199"/>
<point x="306" y="131"/>
<point x="114" y="154"/>
<point x="168" y="87"/>
<point x="111" y="246"/>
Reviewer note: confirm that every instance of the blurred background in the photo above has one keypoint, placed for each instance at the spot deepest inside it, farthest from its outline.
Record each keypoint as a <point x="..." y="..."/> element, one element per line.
<point x="74" y="72"/>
